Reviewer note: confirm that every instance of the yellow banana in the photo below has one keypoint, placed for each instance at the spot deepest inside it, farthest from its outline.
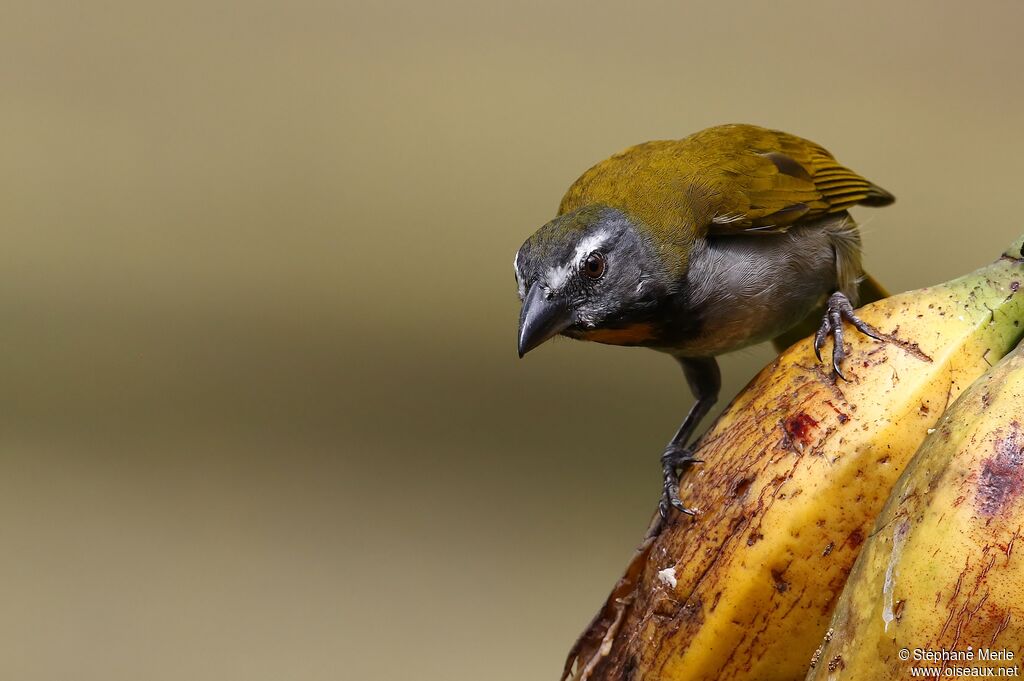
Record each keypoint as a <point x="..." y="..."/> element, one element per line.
<point x="939" y="586"/>
<point x="795" y="471"/>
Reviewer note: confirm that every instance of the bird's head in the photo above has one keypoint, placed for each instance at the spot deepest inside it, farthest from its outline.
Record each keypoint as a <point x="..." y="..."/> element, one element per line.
<point x="589" y="274"/>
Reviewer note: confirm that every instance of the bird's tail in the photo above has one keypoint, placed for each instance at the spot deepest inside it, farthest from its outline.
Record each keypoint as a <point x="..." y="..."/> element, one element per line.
<point x="869" y="290"/>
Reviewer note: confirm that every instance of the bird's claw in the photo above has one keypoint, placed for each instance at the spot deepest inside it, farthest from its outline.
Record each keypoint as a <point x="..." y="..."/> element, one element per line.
<point x="838" y="310"/>
<point x="673" y="461"/>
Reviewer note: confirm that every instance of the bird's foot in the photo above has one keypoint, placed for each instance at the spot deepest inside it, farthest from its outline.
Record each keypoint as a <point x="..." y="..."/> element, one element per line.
<point x="674" y="461"/>
<point x="839" y="309"/>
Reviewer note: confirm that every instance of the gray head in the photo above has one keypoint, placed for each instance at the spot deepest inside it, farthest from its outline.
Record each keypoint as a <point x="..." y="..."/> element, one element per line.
<point x="587" y="274"/>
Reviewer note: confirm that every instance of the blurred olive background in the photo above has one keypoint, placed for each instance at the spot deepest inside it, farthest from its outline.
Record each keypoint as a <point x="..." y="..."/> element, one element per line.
<point x="261" y="415"/>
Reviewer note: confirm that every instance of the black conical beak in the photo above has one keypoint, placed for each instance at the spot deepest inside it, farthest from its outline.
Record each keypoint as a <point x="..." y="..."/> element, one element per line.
<point x="541" y="318"/>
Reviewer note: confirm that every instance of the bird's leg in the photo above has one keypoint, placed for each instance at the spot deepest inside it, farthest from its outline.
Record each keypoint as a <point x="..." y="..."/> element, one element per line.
<point x="705" y="381"/>
<point x="838" y="309"/>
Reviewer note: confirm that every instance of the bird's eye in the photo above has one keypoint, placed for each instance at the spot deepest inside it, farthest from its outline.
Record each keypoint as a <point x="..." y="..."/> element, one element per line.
<point x="594" y="265"/>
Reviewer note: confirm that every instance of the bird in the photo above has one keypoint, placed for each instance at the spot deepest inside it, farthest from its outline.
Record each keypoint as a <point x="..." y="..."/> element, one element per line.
<point x="732" y="236"/>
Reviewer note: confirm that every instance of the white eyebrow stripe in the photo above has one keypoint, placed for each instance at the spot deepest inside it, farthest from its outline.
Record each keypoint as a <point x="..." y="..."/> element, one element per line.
<point x="588" y="244"/>
<point x="557" y="276"/>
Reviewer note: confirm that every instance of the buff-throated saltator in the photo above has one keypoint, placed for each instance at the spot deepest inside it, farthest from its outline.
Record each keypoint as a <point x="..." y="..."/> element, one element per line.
<point x="697" y="247"/>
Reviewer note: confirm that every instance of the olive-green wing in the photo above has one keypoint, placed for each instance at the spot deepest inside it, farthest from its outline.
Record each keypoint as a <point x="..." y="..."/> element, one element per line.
<point x="759" y="180"/>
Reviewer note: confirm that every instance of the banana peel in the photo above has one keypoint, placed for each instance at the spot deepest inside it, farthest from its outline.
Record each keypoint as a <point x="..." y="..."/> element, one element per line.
<point x="939" y="585"/>
<point x="795" y="471"/>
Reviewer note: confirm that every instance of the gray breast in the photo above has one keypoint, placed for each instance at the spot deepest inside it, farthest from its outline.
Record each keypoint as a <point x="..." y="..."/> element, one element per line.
<point x="747" y="289"/>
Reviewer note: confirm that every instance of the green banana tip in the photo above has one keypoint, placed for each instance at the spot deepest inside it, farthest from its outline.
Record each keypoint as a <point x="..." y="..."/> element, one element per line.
<point x="1016" y="249"/>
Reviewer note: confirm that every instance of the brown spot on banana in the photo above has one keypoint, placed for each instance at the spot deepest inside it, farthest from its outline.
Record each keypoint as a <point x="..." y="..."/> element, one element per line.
<point x="1002" y="474"/>
<point x="778" y="578"/>
<point x="799" y="428"/>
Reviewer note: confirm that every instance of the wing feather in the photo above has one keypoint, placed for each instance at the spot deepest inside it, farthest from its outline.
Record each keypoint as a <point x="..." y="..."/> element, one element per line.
<point x="726" y="180"/>
<point x="773" y="180"/>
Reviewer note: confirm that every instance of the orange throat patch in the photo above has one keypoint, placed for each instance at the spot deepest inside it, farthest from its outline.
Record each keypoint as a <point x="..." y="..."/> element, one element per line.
<point x="629" y="335"/>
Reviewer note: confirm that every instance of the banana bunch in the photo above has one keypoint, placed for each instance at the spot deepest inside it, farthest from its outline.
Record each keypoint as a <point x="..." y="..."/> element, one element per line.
<point x="938" y="585"/>
<point x="795" y="472"/>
